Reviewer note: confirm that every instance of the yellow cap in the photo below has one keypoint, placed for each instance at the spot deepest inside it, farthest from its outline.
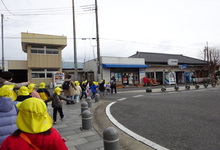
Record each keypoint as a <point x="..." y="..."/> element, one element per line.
<point x="31" y="87"/>
<point x="96" y="83"/>
<point x="33" y="116"/>
<point x="7" y="91"/>
<point x="23" y="90"/>
<point x="57" y="90"/>
<point x="76" y="83"/>
<point x="42" y="85"/>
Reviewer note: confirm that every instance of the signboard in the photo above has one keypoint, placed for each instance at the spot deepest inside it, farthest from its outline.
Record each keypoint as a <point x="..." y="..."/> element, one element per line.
<point x="170" y="78"/>
<point x="183" y="67"/>
<point x="172" y="62"/>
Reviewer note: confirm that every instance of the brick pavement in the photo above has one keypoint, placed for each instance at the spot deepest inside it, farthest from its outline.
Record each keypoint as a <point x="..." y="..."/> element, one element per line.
<point x="69" y="129"/>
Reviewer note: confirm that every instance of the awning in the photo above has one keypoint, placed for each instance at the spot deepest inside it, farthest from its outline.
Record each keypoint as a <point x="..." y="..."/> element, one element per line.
<point x="123" y="66"/>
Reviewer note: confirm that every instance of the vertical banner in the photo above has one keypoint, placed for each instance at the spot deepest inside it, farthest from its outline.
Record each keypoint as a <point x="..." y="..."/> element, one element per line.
<point x="141" y="75"/>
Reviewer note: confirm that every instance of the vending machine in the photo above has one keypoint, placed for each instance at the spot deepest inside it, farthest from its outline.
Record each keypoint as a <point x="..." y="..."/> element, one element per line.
<point x="58" y="78"/>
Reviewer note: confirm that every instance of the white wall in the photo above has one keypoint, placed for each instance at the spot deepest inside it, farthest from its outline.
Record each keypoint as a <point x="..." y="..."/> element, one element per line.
<point x="123" y="60"/>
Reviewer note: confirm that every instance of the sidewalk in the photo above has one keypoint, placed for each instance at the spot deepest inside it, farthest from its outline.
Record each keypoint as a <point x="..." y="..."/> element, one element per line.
<point x="69" y="129"/>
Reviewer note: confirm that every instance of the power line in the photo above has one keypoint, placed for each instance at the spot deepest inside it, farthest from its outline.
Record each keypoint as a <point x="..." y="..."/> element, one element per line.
<point x="6" y="7"/>
<point x="83" y="9"/>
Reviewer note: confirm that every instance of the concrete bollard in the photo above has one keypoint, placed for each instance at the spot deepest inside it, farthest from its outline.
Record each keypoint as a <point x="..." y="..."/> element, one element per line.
<point x="86" y="120"/>
<point x="97" y="97"/>
<point x="84" y="106"/>
<point x="89" y="101"/>
<point x="111" y="139"/>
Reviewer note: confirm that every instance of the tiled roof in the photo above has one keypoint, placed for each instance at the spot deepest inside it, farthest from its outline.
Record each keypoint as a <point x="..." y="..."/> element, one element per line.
<point x="160" y="58"/>
<point x="70" y="65"/>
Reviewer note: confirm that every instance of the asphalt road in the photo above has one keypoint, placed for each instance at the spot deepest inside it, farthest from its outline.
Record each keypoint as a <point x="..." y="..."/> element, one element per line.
<point x="178" y="120"/>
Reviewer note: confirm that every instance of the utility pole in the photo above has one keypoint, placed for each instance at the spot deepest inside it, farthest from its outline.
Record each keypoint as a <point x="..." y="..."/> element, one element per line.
<point x="97" y="39"/>
<point x="74" y="44"/>
<point x="207" y="51"/>
<point x="3" y="60"/>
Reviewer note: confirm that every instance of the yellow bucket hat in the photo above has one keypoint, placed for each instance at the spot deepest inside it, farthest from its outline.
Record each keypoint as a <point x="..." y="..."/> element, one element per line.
<point x="23" y="90"/>
<point x="57" y="90"/>
<point x="42" y="85"/>
<point x="31" y="87"/>
<point x="7" y="91"/>
<point x="96" y="83"/>
<point x="33" y="116"/>
<point x="76" y="83"/>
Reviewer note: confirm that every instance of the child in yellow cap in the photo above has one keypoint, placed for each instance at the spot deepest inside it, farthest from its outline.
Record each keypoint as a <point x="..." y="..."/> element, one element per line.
<point x="34" y="129"/>
<point x="32" y="91"/>
<point x="8" y="112"/>
<point x="43" y="92"/>
<point x="56" y="98"/>
<point x="23" y="94"/>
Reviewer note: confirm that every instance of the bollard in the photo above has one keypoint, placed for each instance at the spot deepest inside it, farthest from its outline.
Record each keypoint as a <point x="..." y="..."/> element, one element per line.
<point x="148" y="89"/>
<point x="84" y="106"/>
<point x="187" y="87"/>
<point x="97" y="97"/>
<point x="86" y="120"/>
<point x="111" y="139"/>
<point x="88" y="100"/>
<point x="163" y="89"/>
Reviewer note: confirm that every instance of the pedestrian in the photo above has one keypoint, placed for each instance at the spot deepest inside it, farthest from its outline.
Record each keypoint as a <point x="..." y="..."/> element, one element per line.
<point x="34" y="129"/>
<point x="23" y="94"/>
<point x="193" y="79"/>
<point x="32" y="90"/>
<point x="102" y="87"/>
<point x="56" y="98"/>
<point x="113" y="85"/>
<point x="43" y="92"/>
<point x="6" y="78"/>
<point x="83" y="87"/>
<point x="68" y="88"/>
<point x="8" y="112"/>
<point x="93" y="88"/>
<point x="108" y="88"/>
<point x="87" y="88"/>
<point x="77" y="92"/>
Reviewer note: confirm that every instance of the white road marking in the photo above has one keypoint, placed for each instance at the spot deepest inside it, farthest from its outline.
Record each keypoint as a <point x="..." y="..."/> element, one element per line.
<point x="129" y="132"/>
<point x="121" y="99"/>
<point x="138" y="96"/>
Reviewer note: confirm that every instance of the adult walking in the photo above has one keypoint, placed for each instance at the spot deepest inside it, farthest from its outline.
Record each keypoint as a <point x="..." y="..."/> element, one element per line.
<point x="6" y="79"/>
<point x="68" y="89"/>
<point x="113" y="85"/>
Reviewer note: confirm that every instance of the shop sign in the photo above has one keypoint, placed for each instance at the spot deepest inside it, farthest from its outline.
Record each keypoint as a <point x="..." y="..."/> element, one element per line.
<point x="172" y="62"/>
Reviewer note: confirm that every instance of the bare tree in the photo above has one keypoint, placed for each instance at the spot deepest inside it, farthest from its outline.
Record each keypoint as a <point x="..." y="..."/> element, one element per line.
<point x="212" y="55"/>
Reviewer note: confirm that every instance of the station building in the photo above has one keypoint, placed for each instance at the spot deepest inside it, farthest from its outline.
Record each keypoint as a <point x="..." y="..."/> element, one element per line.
<point x="44" y="59"/>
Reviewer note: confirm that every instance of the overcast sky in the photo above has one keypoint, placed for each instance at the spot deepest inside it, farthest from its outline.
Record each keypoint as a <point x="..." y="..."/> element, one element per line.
<point x="125" y="26"/>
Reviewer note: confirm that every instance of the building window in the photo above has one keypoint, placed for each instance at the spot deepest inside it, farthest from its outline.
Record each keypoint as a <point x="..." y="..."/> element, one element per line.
<point x="44" y="50"/>
<point x="42" y="73"/>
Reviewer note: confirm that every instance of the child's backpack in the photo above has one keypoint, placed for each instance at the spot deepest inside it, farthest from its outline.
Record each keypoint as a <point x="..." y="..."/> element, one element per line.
<point x="43" y="96"/>
<point x="66" y="85"/>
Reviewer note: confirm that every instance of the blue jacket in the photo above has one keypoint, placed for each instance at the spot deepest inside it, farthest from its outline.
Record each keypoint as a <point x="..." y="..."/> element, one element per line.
<point x="93" y="88"/>
<point x="8" y="115"/>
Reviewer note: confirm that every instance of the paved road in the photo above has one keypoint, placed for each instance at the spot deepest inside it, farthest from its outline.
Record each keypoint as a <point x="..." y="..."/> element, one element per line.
<point x="182" y="120"/>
